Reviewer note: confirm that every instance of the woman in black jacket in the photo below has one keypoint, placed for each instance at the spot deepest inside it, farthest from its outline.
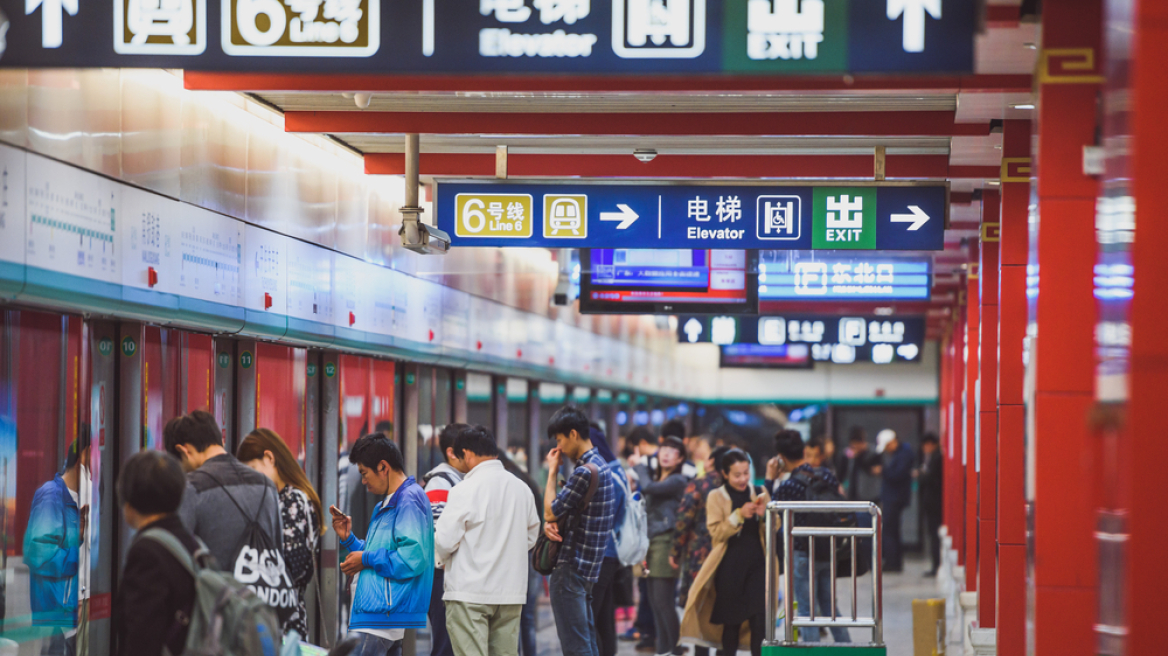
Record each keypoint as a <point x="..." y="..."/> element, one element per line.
<point x="157" y="592"/>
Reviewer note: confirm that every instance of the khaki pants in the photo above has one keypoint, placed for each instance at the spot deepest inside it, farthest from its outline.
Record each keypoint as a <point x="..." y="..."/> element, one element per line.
<point x="483" y="629"/>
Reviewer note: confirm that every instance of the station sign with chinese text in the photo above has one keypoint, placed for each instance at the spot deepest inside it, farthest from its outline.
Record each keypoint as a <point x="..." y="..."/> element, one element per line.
<point x="580" y="215"/>
<point x="838" y="276"/>
<point x="839" y="339"/>
<point x="498" y="36"/>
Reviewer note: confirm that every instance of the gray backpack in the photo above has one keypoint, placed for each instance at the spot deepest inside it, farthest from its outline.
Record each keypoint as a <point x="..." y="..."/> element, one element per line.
<point x="228" y="619"/>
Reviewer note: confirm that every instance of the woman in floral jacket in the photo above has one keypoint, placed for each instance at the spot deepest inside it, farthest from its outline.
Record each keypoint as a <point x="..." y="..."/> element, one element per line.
<point x="300" y="513"/>
<point x="692" y="544"/>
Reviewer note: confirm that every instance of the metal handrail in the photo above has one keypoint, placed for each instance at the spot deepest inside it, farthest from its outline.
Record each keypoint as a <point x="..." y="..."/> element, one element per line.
<point x="790" y="532"/>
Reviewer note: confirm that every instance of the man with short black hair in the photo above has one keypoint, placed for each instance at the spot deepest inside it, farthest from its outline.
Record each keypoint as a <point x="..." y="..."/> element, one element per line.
<point x="792" y="455"/>
<point x="439" y="482"/>
<point x="224" y="498"/>
<point x="482" y="539"/>
<point x="932" y="490"/>
<point x="394" y="564"/>
<point x="156" y="589"/>
<point x="580" y="558"/>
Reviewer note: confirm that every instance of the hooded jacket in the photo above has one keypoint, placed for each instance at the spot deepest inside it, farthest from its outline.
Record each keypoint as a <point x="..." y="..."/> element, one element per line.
<point x="393" y="591"/>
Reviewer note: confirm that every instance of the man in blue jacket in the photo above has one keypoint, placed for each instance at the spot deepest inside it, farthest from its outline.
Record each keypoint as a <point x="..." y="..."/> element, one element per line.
<point x="56" y="535"/>
<point x="393" y="567"/>
<point x="895" y="493"/>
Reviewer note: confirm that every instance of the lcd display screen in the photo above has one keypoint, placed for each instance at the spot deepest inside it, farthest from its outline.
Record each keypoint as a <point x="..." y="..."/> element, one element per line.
<point x="776" y="356"/>
<point x="644" y="281"/>
<point x="819" y="275"/>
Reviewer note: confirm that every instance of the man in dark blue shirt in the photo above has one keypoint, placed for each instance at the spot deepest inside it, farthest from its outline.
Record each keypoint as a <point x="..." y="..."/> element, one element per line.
<point x="895" y="493"/>
<point x="582" y="553"/>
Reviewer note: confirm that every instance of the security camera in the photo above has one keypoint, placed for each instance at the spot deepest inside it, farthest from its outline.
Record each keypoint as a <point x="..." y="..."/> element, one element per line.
<point x="645" y="154"/>
<point x="563" y="294"/>
<point x="419" y="237"/>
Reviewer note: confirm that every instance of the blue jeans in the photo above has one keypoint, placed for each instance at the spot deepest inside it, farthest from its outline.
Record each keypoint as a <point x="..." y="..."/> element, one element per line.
<point x="530" y="611"/>
<point x="572" y="606"/>
<point x="370" y="645"/>
<point x="823" y="585"/>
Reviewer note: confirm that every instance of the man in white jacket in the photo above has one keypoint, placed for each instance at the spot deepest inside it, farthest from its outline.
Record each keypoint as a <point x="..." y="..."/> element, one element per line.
<point x="482" y="539"/>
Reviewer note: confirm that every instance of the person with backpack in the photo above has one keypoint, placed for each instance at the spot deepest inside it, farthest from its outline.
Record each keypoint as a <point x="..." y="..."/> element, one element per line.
<point x="692" y="543"/>
<point x="157" y="592"/>
<point x="300" y="511"/>
<point x="730" y="591"/>
<point x="172" y="598"/>
<point x="233" y="509"/>
<point x="392" y="569"/>
<point x="579" y="559"/>
<point x="483" y="538"/>
<point x="604" y="592"/>
<point x="438" y="483"/>
<point x="663" y="491"/>
<point x="804" y="483"/>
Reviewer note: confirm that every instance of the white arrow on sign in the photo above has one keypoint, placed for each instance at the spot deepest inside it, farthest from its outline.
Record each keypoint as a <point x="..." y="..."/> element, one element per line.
<point x="914" y="20"/>
<point x="918" y="217"/>
<point x="51" y="18"/>
<point x="626" y="216"/>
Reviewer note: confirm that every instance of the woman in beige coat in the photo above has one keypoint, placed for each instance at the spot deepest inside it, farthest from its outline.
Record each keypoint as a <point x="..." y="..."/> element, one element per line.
<point x="730" y="510"/>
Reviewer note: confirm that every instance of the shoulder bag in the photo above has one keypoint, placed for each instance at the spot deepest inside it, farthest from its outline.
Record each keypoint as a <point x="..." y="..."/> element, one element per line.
<point x="546" y="553"/>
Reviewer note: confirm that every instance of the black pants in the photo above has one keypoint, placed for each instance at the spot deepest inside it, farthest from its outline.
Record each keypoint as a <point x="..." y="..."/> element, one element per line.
<point x="644" y="622"/>
<point x="439" y="638"/>
<point x="663" y="601"/>
<point x="932" y="530"/>
<point x="893" y="550"/>
<point x="757" y="633"/>
<point x="604" y="607"/>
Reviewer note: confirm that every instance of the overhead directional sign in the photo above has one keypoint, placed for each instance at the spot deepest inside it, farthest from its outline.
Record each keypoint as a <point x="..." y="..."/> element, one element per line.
<point x="505" y="214"/>
<point x="839" y="339"/>
<point x="813" y="276"/>
<point x="504" y="36"/>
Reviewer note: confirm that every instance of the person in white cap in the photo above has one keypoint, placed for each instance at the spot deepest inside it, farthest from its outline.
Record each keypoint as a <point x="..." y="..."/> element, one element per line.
<point x="895" y="493"/>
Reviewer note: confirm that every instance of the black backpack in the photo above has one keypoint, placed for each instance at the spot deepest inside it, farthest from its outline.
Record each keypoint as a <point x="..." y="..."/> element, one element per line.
<point x="820" y="489"/>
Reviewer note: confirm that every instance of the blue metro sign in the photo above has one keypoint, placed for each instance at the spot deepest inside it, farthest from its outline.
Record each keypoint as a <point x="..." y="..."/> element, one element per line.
<point x="836" y="216"/>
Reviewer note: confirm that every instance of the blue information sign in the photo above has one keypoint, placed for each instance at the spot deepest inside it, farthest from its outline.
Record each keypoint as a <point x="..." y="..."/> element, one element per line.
<point x="732" y="37"/>
<point x="834" y="277"/>
<point x="837" y="217"/>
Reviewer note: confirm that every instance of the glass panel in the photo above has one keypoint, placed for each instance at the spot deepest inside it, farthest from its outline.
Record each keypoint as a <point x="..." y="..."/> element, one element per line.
<point x="160" y="382"/>
<point x="478" y="399"/>
<point x="517" y="427"/>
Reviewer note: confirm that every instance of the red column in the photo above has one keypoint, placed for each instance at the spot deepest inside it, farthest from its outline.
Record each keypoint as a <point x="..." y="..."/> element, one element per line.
<point x="987" y="438"/>
<point x="1147" y="568"/>
<point x="1065" y="560"/>
<point x="1012" y="308"/>
<point x="954" y="470"/>
<point x="972" y="325"/>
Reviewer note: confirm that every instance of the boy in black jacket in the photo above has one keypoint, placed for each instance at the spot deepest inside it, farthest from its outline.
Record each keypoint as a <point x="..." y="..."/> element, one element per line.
<point x="157" y="592"/>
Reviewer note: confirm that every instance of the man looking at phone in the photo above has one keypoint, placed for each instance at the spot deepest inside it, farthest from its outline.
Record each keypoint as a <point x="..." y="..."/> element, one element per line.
<point x="393" y="567"/>
<point x="580" y="557"/>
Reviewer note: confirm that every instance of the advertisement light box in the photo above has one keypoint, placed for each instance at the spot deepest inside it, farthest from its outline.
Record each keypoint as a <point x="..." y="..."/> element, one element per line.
<point x="828" y="338"/>
<point x="637" y="281"/>
<point x="806" y="276"/>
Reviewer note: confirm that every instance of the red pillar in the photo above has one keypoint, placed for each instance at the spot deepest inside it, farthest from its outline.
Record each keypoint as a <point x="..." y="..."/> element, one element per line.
<point x="955" y="471"/>
<point x="1147" y="568"/>
<point x="987" y="431"/>
<point x="972" y="325"/>
<point x="1065" y="560"/>
<point x="1012" y="312"/>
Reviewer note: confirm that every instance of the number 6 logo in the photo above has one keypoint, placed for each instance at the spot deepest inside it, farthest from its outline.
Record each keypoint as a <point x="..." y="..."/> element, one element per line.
<point x="248" y="11"/>
<point x="473" y="211"/>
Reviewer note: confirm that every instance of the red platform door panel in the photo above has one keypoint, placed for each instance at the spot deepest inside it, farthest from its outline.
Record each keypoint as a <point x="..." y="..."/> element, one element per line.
<point x="198" y="357"/>
<point x="281" y="378"/>
<point x="355" y="385"/>
<point x="161" y="374"/>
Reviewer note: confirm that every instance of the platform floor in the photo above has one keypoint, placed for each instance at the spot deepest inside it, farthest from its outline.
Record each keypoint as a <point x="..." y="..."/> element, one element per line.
<point x="899" y="592"/>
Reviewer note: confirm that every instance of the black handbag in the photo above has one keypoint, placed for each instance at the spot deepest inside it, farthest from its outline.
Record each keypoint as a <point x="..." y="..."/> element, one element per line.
<point x="547" y="551"/>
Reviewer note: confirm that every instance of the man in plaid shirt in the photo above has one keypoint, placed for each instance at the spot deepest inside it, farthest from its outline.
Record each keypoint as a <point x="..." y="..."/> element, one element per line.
<point x="583" y="549"/>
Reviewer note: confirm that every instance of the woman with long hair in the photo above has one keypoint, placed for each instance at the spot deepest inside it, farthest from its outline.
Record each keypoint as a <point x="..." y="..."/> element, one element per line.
<point x="663" y="489"/>
<point x="300" y="510"/>
<point x="727" y="602"/>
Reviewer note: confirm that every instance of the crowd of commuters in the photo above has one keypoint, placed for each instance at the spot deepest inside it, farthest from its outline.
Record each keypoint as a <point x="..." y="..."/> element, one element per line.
<point x="453" y="552"/>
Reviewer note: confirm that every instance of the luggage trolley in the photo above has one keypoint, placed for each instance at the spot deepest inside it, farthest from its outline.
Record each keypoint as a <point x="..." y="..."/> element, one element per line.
<point x="786" y="646"/>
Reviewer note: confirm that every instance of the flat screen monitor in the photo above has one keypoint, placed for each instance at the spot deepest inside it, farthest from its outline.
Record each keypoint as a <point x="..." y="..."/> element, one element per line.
<point x="654" y="281"/>
<point x="840" y="275"/>
<point x="772" y="356"/>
